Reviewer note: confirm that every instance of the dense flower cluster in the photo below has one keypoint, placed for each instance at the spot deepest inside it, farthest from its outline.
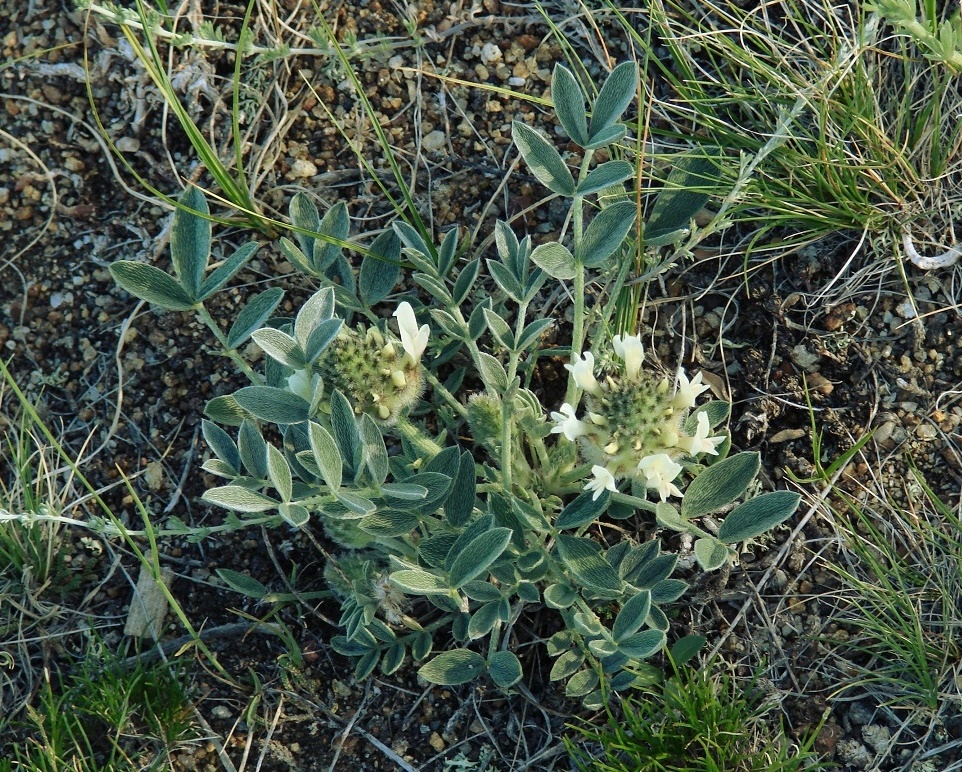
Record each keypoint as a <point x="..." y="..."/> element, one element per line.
<point x="368" y="367"/>
<point x="632" y="427"/>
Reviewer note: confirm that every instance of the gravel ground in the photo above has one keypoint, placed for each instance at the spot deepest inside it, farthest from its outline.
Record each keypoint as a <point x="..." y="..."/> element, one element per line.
<point x="130" y="384"/>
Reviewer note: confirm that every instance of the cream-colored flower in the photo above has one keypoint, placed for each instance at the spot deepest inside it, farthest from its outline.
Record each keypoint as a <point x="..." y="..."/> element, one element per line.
<point x="687" y="391"/>
<point x="414" y="339"/>
<point x="603" y="480"/>
<point x="701" y="442"/>
<point x="583" y="371"/>
<point x="629" y="348"/>
<point x="567" y="423"/>
<point x="660" y="471"/>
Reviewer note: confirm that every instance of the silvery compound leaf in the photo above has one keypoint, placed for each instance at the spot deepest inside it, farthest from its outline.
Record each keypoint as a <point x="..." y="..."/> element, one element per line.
<point x="335" y="224"/>
<point x="642" y="645"/>
<point x="710" y="553"/>
<point x="668" y="591"/>
<point x="685" y="193"/>
<point x="279" y="473"/>
<point x="280" y="346"/>
<point x="615" y="95"/>
<point x="190" y="240"/>
<point x="500" y="329"/>
<point x="448" y="252"/>
<point x="410" y="238"/>
<point x="418" y="582"/>
<point x="355" y="503"/>
<point x="567" y="665"/>
<point x="225" y="410"/>
<point x="652" y="571"/>
<point x="581" y="683"/>
<point x="605" y="176"/>
<point x="633" y="615"/>
<point x="532" y="333"/>
<point x="583" y="510"/>
<point x="255" y="313"/>
<point x="483" y="621"/>
<point x="393" y="658"/>
<point x="454" y="667"/>
<point x="434" y="286"/>
<point x="569" y="104"/>
<point x="151" y="284"/>
<point x="478" y="555"/>
<point x="601" y="647"/>
<point x="476" y="323"/>
<point x="380" y="268"/>
<point x="295" y="515"/>
<point x="346" y="431"/>
<point x="217" y="467"/>
<point x="389" y="523"/>
<point x="559" y="596"/>
<point x="321" y="338"/>
<point x="293" y="253"/>
<point x="460" y="503"/>
<point x="305" y="217"/>
<point x="226" y="271"/>
<point x="668" y="516"/>
<point x="504" y="667"/>
<point x="720" y="484"/>
<point x="606" y="233"/>
<point x="438" y="486"/>
<point x="239" y="499"/>
<point x="375" y="452"/>
<point x="606" y="137"/>
<point x="466" y="279"/>
<point x="223" y="446"/>
<point x="421" y="645"/>
<point x="479" y="526"/>
<point x="555" y="260"/>
<point x="583" y="559"/>
<point x="326" y="455"/>
<point x="267" y="403"/>
<point x="318" y="308"/>
<point x="757" y="515"/>
<point x="543" y="159"/>
<point x="366" y="664"/>
<point x="483" y="592"/>
<point x="493" y="373"/>
<point x="506" y="242"/>
<point x="253" y="450"/>
<point x="506" y="280"/>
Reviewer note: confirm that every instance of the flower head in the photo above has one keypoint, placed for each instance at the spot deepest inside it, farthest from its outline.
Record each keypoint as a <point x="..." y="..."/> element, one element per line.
<point x="413" y="339"/>
<point x="701" y="442"/>
<point x="603" y="480"/>
<point x="567" y="423"/>
<point x="583" y="371"/>
<point x="659" y="471"/>
<point x="629" y="348"/>
<point x="686" y="391"/>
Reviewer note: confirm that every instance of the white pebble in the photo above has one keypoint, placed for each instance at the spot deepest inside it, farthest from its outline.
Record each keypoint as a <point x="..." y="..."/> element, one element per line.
<point x="516" y="81"/>
<point x="221" y="711"/>
<point x="302" y="168"/>
<point x="490" y="53"/>
<point x="128" y="144"/>
<point x="433" y="142"/>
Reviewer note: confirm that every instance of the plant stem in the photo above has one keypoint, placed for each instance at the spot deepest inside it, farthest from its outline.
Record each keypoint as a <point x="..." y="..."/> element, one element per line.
<point x="228" y="351"/>
<point x="445" y="394"/>
<point x="425" y="446"/>
<point x="573" y="393"/>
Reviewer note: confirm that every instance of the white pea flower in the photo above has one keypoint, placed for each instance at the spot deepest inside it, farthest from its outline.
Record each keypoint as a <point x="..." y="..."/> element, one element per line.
<point x="686" y="391"/>
<point x="567" y="423"/>
<point x="629" y="348"/>
<point x="583" y="371"/>
<point x="603" y="480"/>
<point x="701" y="442"/>
<point x="659" y="471"/>
<point x="413" y="339"/>
<point x="302" y="384"/>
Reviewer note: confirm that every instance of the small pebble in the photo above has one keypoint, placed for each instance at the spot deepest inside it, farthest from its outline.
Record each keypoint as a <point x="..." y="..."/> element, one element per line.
<point x="302" y="168"/>
<point x="490" y="53"/>
<point x="221" y="712"/>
